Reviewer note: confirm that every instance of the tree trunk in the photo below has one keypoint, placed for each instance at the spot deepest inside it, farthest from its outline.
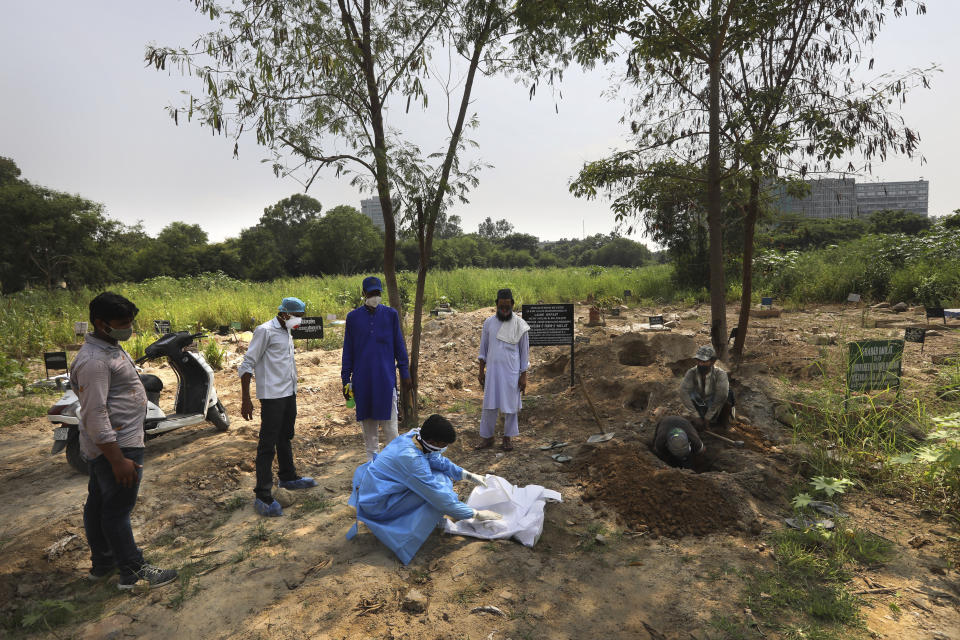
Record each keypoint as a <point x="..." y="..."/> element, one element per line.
<point x="411" y="407"/>
<point x="718" y="302"/>
<point x="749" y="226"/>
<point x="427" y="221"/>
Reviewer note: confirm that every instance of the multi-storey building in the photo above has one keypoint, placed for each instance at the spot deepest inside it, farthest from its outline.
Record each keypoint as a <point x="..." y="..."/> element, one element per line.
<point x="893" y="196"/>
<point x="844" y="198"/>
<point x="370" y="207"/>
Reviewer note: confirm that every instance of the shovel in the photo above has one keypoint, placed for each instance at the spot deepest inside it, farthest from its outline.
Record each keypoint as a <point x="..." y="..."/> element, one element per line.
<point x="602" y="436"/>
<point x="735" y="443"/>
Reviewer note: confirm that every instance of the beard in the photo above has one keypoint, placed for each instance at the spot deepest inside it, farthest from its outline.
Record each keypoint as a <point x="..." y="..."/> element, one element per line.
<point x="504" y="317"/>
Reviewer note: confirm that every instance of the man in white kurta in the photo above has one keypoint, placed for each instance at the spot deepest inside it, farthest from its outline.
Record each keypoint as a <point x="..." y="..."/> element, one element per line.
<point x="504" y="360"/>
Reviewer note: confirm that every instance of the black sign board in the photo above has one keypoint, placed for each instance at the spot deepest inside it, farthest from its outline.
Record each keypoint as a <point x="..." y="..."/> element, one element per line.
<point x="915" y="334"/>
<point x="766" y="302"/>
<point x="627" y="294"/>
<point x="161" y="326"/>
<point x="550" y="325"/>
<point x="311" y="327"/>
<point x="853" y="297"/>
<point x="55" y="360"/>
<point x="874" y="364"/>
<point x="655" y="320"/>
<point x="936" y="312"/>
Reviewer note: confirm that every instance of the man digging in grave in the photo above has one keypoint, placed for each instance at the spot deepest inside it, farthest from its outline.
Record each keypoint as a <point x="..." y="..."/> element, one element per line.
<point x="676" y="442"/>
<point x="505" y="350"/>
<point x="403" y="494"/>
<point x="706" y="391"/>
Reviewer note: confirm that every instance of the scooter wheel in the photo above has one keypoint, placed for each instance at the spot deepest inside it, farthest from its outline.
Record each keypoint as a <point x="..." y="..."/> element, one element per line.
<point x="218" y="416"/>
<point x="73" y="453"/>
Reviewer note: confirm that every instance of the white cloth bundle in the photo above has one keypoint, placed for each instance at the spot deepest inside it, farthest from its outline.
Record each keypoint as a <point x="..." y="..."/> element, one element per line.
<point x="522" y="510"/>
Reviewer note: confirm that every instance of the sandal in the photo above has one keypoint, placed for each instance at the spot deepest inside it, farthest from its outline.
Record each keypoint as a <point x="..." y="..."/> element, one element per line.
<point x="485" y="443"/>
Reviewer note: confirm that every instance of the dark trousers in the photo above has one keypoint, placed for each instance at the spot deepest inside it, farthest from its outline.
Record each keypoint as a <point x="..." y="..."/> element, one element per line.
<point x="106" y="515"/>
<point x="277" y="418"/>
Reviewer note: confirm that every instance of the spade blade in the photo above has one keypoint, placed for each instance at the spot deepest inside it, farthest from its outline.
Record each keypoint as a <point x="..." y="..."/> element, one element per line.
<point x="600" y="437"/>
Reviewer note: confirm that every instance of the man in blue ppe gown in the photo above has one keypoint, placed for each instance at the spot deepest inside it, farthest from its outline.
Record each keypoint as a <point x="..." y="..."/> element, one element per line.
<point x="373" y="350"/>
<point x="403" y="494"/>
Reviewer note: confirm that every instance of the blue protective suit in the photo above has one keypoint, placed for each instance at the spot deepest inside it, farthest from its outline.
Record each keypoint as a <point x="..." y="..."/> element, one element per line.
<point x="373" y="349"/>
<point x="403" y="494"/>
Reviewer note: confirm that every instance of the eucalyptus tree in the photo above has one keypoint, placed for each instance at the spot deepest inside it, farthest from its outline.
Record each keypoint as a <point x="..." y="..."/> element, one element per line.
<point x="730" y="89"/>
<point x="322" y="84"/>
<point x="313" y="81"/>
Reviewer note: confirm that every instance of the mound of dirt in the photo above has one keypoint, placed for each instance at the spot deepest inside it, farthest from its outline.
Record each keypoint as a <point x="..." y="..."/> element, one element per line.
<point x="661" y="500"/>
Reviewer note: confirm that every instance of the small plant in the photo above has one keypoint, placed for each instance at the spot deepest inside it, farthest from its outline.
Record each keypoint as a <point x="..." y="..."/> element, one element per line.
<point x="48" y="613"/>
<point x="310" y="504"/>
<point x="12" y="373"/>
<point x="234" y="503"/>
<point x="213" y="354"/>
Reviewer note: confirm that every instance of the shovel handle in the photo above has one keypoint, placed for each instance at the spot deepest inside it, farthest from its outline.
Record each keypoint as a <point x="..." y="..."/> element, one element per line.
<point x="736" y="443"/>
<point x="593" y="409"/>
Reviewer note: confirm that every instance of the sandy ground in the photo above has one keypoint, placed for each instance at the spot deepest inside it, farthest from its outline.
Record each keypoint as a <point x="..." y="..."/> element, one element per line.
<point x="674" y="548"/>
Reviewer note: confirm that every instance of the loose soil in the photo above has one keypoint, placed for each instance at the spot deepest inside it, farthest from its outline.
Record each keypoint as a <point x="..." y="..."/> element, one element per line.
<point x="661" y="501"/>
<point x="677" y="546"/>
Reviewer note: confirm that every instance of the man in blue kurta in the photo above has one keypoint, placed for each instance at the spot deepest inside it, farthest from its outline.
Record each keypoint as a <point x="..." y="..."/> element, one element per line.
<point x="403" y="494"/>
<point x="373" y="350"/>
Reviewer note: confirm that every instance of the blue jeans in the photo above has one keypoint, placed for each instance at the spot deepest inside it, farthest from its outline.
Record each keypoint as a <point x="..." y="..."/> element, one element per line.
<point x="106" y="515"/>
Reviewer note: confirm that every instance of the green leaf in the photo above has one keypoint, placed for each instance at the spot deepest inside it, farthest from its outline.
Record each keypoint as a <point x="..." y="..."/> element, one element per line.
<point x="929" y="454"/>
<point x="801" y="500"/>
<point x="830" y="486"/>
<point x="903" y="458"/>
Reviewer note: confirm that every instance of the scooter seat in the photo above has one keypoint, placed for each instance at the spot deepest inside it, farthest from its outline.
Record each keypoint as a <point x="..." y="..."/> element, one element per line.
<point x="151" y="383"/>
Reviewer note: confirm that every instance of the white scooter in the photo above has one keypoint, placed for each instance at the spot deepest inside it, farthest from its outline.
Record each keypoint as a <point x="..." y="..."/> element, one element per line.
<point x="196" y="402"/>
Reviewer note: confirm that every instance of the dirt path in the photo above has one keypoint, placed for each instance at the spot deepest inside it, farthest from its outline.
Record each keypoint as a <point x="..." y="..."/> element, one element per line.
<point x="597" y="571"/>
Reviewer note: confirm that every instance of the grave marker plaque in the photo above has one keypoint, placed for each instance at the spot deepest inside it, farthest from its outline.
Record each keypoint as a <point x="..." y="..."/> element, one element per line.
<point x="55" y="360"/>
<point x="936" y="312"/>
<point x="915" y="334"/>
<point x="853" y="297"/>
<point x="874" y="364"/>
<point x="550" y="325"/>
<point x="627" y="294"/>
<point x="161" y="326"/>
<point x="80" y="328"/>
<point x="310" y="327"/>
<point x="766" y="303"/>
<point x="655" y="320"/>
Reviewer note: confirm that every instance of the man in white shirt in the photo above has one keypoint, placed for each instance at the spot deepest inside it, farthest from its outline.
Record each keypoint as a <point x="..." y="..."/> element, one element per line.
<point x="504" y="359"/>
<point x="269" y="359"/>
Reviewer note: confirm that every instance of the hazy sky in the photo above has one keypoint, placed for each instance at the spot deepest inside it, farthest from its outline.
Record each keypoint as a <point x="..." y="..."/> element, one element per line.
<point x="80" y="113"/>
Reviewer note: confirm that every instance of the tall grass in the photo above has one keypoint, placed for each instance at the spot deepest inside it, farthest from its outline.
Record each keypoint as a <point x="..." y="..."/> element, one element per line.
<point x="34" y="321"/>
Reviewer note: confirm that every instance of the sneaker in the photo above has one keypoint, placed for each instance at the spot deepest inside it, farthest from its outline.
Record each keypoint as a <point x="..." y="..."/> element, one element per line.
<point x="154" y="576"/>
<point x="272" y="510"/>
<point x="100" y="573"/>
<point x="303" y="482"/>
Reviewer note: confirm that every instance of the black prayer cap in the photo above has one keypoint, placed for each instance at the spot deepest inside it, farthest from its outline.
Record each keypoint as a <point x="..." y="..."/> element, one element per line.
<point x="438" y="429"/>
<point x="505" y="294"/>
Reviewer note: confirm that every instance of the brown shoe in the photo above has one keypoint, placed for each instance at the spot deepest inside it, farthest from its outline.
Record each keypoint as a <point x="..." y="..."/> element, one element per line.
<point x="507" y="445"/>
<point x="485" y="443"/>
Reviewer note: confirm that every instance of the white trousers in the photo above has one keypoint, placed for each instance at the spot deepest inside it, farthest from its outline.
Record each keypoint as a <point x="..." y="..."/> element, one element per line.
<point x="371" y="428"/>
<point x="488" y="422"/>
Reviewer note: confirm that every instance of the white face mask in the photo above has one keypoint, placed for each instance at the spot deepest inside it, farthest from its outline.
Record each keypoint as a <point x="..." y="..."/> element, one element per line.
<point x="293" y="322"/>
<point x="373" y="301"/>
